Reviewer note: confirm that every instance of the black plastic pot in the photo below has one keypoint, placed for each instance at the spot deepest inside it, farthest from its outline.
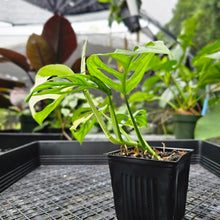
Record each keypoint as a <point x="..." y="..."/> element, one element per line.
<point x="149" y="189"/>
<point x="27" y="123"/>
<point x="184" y="125"/>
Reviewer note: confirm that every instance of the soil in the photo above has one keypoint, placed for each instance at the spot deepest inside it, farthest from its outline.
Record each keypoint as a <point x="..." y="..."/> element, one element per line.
<point x="166" y="155"/>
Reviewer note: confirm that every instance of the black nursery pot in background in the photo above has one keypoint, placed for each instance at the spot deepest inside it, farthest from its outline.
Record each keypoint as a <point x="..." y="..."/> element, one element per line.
<point x="27" y="123"/>
<point x="149" y="189"/>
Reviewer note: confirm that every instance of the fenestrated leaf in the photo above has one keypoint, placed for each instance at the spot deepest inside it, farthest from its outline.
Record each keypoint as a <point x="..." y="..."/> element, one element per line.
<point x="41" y="115"/>
<point x="16" y="58"/>
<point x="156" y="47"/>
<point x="39" y="52"/>
<point x="60" y="35"/>
<point x="64" y="84"/>
<point x="95" y="65"/>
<point x="135" y="64"/>
<point x="140" y="66"/>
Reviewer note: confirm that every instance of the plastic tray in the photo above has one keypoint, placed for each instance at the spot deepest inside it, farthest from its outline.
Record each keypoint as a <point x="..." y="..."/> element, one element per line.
<point x="80" y="188"/>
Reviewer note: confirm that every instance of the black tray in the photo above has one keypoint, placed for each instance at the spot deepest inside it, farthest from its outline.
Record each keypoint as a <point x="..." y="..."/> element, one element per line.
<point x="20" y="161"/>
<point x="9" y="140"/>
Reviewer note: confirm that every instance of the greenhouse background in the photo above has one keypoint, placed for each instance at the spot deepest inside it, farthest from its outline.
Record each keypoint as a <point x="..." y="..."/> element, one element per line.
<point x="110" y="110"/>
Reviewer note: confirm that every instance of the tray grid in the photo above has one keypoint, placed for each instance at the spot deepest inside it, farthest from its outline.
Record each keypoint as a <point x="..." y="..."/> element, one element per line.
<point x="83" y="192"/>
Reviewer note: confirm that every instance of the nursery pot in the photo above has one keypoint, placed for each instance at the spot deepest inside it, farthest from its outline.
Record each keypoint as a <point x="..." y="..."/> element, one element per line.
<point x="184" y="125"/>
<point x="147" y="189"/>
<point x="27" y="123"/>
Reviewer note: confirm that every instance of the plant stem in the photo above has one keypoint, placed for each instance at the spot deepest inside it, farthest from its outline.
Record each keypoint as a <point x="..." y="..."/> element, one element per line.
<point x="180" y="91"/>
<point x="99" y="118"/>
<point x="62" y="124"/>
<point x="114" y="120"/>
<point x="143" y="144"/>
<point x="30" y="77"/>
<point x="103" y="126"/>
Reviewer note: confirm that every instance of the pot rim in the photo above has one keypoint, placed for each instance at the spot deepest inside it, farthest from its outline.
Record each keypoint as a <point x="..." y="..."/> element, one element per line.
<point x="188" y="151"/>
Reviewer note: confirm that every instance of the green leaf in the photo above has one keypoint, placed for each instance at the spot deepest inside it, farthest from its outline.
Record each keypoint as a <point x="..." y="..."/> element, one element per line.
<point x="140" y="117"/>
<point x="41" y="115"/>
<point x="54" y="70"/>
<point x="95" y="65"/>
<point x="208" y="126"/>
<point x="211" y="75"/>
<point x="187" y="32"/>
<point x="149" y="83"/>
<point x="135" y="64"/>
<point x="156" y="47"/>
<point x="139" y="66"/>
<point x="84" y="129"/>
<point x="211" y="51"/>
<point x="83" y="121"/>
<point x="80" y="116"/>
<point x="215" y="55"/>
<point x="139" y="97"/>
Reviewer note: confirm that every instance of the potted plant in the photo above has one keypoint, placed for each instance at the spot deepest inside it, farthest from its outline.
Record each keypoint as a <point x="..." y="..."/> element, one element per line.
<point x="182" y="82"/>
<point x="147" y="183"/>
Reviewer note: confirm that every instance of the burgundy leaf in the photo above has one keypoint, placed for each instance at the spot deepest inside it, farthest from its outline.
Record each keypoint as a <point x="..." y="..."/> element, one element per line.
<point x="16" y="58"/>
<point x="76" y="66"/>
<point x="4" y="102"/>
<point x="39" y="52"/>
<point x="60" y="35"/>
<point x="6" y="83"/>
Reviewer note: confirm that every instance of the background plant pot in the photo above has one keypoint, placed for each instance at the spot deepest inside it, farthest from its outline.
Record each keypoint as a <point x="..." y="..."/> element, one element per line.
<point x="27" y="123"/>
<point x="184" y="125"/>
<point x="149" y="189"/>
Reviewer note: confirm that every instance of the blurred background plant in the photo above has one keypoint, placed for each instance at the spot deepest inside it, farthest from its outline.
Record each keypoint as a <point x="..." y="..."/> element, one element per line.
<point x="55" y="45"/>
<point x="184" y="83"/>
<point x="206" y="27"/>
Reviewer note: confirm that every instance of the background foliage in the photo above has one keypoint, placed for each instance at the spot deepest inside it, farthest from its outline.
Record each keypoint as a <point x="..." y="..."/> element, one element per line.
<point x="208" y="20"/>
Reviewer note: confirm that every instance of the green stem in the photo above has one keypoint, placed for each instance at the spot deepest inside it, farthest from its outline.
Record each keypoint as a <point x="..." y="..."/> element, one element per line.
<point x="114" y="120"/>
<point x="180" y="91"/>
<point x="168" y="102"/>
<point x="99" y="118"/>
<point x="143" y="144"/>
<point x="102" y="123"/>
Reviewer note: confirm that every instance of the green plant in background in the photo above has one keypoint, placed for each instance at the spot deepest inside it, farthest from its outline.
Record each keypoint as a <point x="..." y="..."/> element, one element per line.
<point x="54" y="82"/>
<point x="208" y="20"/>
<point x="67" y="110"/>
<point x="180" y="82"/>
<point x="209" y="125"/>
